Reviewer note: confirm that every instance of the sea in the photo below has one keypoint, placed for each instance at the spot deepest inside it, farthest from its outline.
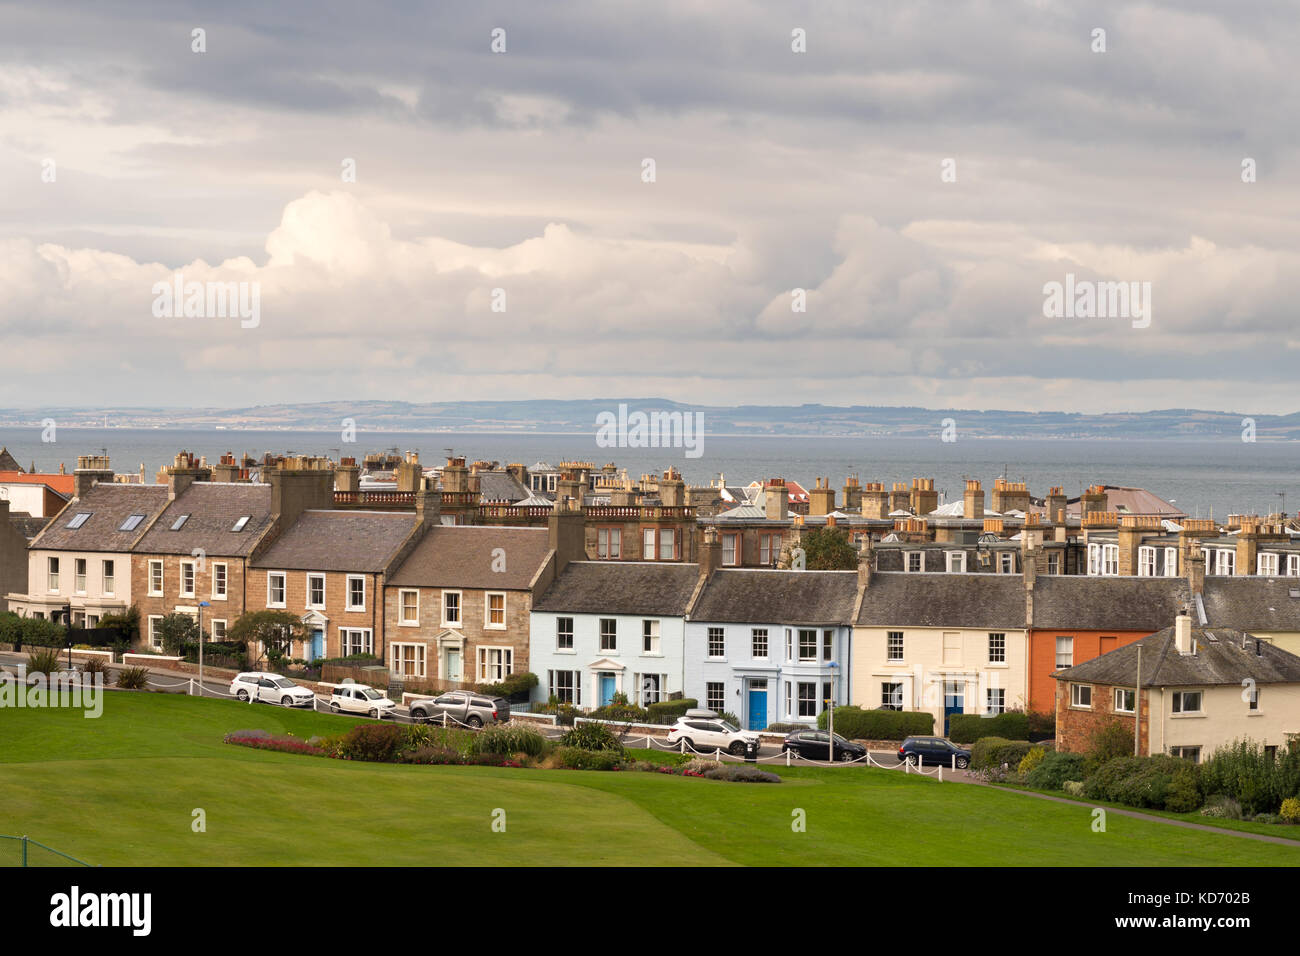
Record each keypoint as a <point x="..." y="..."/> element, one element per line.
<point x="1202" y="478"/>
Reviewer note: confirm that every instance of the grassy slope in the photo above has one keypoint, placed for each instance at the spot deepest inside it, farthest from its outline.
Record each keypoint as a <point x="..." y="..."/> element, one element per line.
<point x="120" y="790"/>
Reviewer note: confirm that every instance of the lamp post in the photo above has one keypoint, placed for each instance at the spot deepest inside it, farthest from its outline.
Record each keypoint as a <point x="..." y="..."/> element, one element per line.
<point x="830" y="714"/>
<point x="202" y="605"/>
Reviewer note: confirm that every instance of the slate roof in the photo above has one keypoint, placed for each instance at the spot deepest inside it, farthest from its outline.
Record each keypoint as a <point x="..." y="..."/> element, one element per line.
<point x="109" y="504"/>
<point x="1219" y="659"/>
<point x="8" y="462"/>
<point x="1252" y="603"/>
<point x="622" y="587"/>
<point x="27" y="525"/>
<point x="464" y="556"/>
<point x="213" y="508"/>
<point x="786" y="597"/>
<point x="900" y="599"/>
<point x="357" y="541"/>
<point x="501" y="487"/>
<point x="1080" y="602"/>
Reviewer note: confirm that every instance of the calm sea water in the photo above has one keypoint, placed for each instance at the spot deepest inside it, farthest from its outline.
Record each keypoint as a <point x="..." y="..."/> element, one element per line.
<point x="1197" y="475"/>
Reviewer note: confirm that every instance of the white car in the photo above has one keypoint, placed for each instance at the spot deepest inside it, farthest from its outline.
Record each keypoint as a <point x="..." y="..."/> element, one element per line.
<point x="704" y="731"/>
<point x="271" y="689"/>
<point x="360" y="699"/>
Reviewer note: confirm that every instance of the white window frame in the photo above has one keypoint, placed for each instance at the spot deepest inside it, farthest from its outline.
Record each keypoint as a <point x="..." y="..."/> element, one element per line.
<point x="799" y="645"/>
<point x="308" y="603"/>
<point x="1006" y="563"/>
<point x="1076" y="695"/>
<point x="155" y="575"/>
<point x="718" y="634"/>
<point x="769" y="549"/>
<point x="284" y="589"/>
<point x="52" y="574"/>
<point x="891" y="646"/>
<point x="108" y="578"/>
<point x="731" y="546"/>
<point x="651" y="645"/>
<point x="488" y="624"/>
<point x="907" y="561"/>
<point x="720" y="700"/>
<point x="224" y="628"/>
<point x="459" y="620"/>
<point x="571" y="695"/>
<point x="220" y="573"/>
<point x="503" y="665"/>
<point x="1171" y="562"/>
<point x="995" y="700"/>
<point x="956" y="561"/>
<point x="397" y="662"/>
<point x="362" y="637"/>
<point x="348" y="602"/>
<point x="560" y="632"/>
<point x="1146" y="561"/>
<point x="754" y="641"/>
<point x="609" y="543"/>
<point x="402" y="619"/>
<point x="79" y="576"/>
<point x="188" y="592"/>
<point x="997" y="653"/>
<point x="668" y="536"/>
<point x="154" y="635"/>
<point x="1118" y="698"/>
<point x="648" y="542"/>
<point x="1177" y="703"/>
<point x="1109" y="559"/>
<point x="1266" y="563"/>
<point x="1293" y="565"/>
<point x="600" y="635"/>
<point x="1059" y="639"/>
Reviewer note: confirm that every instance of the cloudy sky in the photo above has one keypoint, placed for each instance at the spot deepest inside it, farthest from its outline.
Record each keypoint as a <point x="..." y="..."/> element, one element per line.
<point x="774" y="170"/>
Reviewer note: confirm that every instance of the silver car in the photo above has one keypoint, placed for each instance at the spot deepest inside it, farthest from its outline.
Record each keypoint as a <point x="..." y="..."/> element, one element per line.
<point x="464" y="707"/>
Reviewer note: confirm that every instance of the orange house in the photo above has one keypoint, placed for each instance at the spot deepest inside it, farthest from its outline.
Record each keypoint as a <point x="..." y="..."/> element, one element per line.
<point x="1077" y="618"/>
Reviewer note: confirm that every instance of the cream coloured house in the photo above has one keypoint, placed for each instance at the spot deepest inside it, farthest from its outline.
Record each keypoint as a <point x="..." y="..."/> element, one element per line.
<point x="944" y="643"/>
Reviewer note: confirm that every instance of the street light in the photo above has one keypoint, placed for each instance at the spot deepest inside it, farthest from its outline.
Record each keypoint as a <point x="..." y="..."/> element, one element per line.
<point x="830" y="714"/>
<point x="202" y="605"/>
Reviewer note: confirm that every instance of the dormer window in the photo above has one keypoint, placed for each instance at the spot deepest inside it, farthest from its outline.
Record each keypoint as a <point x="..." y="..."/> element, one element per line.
<point x="78" y="519"/>
<point x="131" y="523"/>
<point x="239" y="525"/>
<point x="179" y="522"/>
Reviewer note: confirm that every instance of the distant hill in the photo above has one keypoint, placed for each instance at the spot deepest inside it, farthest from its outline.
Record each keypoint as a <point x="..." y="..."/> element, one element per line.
<point x="578" y="417"/>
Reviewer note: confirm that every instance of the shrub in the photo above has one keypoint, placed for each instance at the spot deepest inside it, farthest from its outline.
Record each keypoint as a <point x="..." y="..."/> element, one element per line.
<point x="1138" y="781"/>
<point x="1110" y="740"/>
<point x="787" y="728"/>
<point x="729" y="717"/>
<point x="1055" y="770"/>
<point x="289" y="745"/>
<point x="1073" y="787"/>
<point x="44" y="661"/>
<point x="1245" y="771"/>
<point x="741" y="773"/>
<point x="94" y="665"/>
<point x="445" y="738"/>
<point x="133" y="678"/>
<point x="699" y="766"/>
<point x="516" y="688"/>
<point x="431" y="755"/>
<point x="968" y="728"/>
<point x="1221" y="807"/>
<point x="667" y="711"/>
<point x="1290" y="812"/>
<point x="379" y="742"/>
<point x="576" y="758"/>
<point x="992" y="752"/>
<point x="592" y="736"/>
<point x="1267" y="818"/>
<point x="1042" y="726"/>
<point x="509" y="739"/>
<point x="1031" y="760"/>
<point x="1185" y="792"/>
<point x="858" y="724"/>
<point x="620" y="711"/>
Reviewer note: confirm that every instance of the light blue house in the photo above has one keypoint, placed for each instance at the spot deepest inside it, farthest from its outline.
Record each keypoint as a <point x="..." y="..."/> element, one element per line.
<point x="607" y="627"/>
<point x="771" y="646"/>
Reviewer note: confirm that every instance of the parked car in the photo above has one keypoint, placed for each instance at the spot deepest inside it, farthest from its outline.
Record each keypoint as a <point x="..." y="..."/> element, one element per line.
<point x="816" y="745"/>
<point x="463" y="706"/>
<point x="271" y="689"/>
<point x="933" y="750"/>
<point x="703" y="730"/>
<point x="360" y="699"/>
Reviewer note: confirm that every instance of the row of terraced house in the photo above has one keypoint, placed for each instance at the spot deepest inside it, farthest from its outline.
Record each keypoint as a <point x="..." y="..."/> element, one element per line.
<point x="457" y="603"/>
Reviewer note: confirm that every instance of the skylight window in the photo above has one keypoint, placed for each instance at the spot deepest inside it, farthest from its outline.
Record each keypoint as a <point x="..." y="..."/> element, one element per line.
<point x="239" y="525"/>
<point x="79" y="519"/>
<point x="179" y="522"/>
<point x="131" y="523"/>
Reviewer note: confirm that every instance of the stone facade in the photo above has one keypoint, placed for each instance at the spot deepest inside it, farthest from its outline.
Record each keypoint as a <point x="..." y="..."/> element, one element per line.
<point x="1075" y="726"/>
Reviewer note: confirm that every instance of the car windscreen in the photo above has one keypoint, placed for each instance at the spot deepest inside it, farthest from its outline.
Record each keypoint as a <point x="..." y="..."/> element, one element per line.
<point x="729" y="728"/>
<point x="283" y="683"/>
<point x="372" y="694"/>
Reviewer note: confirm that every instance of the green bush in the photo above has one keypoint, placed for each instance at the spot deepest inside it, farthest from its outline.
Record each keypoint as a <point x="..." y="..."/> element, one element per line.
<point x="591" y="736"/>
<point x="788" y="728"/>
<point x="968" y="728"/>
<point x="516" y="688"/>
<point x="94" y="665"/>
<point x="1185" y="792"/>
<point x="47" y="660"/>
<point x="858" y="724"/>
<point x="30" y="631"/>
<point x="378" y="742"/>
<point x="1055" y="770"/>
<point x="620" y="711"/>
<point x="667" y="711"/>
<point x="1031" y="761"/>
<point x="507" y="740"/>
<point x="989" y="753"/>
<point x="1244" y="771"/>
<point x="577" y="758"/>
<point x="1108" y="741"/>
<point x="133" y="678"/>
<point x="1290" y="812"/>
<point x="741" y="773"/>
<point x="1073" y="787"/>
<point x="1140" y="781"/>
<point x="441" y="738"/>
<point x="1222" y="808"/>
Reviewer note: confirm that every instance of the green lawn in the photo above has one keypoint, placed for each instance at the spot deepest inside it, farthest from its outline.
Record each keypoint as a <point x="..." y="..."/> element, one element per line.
<point x="119" y="790"/>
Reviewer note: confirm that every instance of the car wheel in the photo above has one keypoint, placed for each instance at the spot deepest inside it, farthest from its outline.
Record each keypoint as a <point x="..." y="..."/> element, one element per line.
<point x="286" y="701"/>
<point x="242" y="695"/>
<point x="962" y="763"/>
<point x="846" y="757"/>
<point x="737" y="749"/>
<point x="374" y="712"/>
<point x="419" y="715"/>
<point x="474" y="721"/>
<point x="913" y="760"/>
<point x="334" y="707"/>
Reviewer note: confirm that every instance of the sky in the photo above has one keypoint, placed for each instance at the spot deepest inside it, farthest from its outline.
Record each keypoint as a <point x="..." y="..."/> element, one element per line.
<point x="921" y="170"/>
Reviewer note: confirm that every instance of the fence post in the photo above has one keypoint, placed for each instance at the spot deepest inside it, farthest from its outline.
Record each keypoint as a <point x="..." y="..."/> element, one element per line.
<point x="683" y="743"/>
<point x="787" y="758"/>
<point x="191" y="689"/>
<point x="24" y="851"/>
<point x="954" y="761"/>
<point x="941" y="773"/>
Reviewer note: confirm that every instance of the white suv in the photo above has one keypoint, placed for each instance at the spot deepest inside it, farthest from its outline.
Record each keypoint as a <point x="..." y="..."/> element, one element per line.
<point x="704" y="731"/>
<point x="271" y="689"/>
<point x="360" y="699"/>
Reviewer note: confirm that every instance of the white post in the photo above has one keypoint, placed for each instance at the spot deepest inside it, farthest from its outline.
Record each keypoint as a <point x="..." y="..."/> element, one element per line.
<point x="787" y="758"/>
<point x="683" y="743"/>
<point x="954" y="761"/>
<point x="191" y="690"/>
<point x="941" y="773"/>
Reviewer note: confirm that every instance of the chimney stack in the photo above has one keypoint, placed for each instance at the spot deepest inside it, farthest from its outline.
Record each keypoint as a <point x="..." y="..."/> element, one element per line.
<point x="972" y="500"/>
<point x="710" y="553"/>
<point x="90" y="470"/>
<point x="822" y="497"/>
<point x="1183" y="635"/>
<point x="776" y="499"/>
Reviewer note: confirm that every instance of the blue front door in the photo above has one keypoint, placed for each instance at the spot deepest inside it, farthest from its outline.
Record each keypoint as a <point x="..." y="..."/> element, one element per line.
<point x="606" y="689"/>
<point x="757" y="708"/>
<point x="317" y="645"/>
<point x="954" y="701"/>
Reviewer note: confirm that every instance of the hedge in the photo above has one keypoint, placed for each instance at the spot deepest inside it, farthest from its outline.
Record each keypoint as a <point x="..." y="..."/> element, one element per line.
<point x="667" y="711"/>
<point x="968" y="728"/>
<point x="992" y="752"/>
<point x="858" y="724"/>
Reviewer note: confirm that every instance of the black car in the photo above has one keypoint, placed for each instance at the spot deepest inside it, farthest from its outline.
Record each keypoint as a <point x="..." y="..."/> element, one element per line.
<point x="816" y="745"/>
<point x="933" y="750"/>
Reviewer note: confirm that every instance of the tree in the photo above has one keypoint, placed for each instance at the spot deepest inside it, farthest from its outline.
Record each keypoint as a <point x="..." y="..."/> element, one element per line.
<point x="273" y="631"/>
<point x="825" y="549"/>
<point x="179" y="632"/>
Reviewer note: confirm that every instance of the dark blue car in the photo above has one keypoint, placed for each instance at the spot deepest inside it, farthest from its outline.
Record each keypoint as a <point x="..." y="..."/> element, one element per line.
<point x="936" y="751"/>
